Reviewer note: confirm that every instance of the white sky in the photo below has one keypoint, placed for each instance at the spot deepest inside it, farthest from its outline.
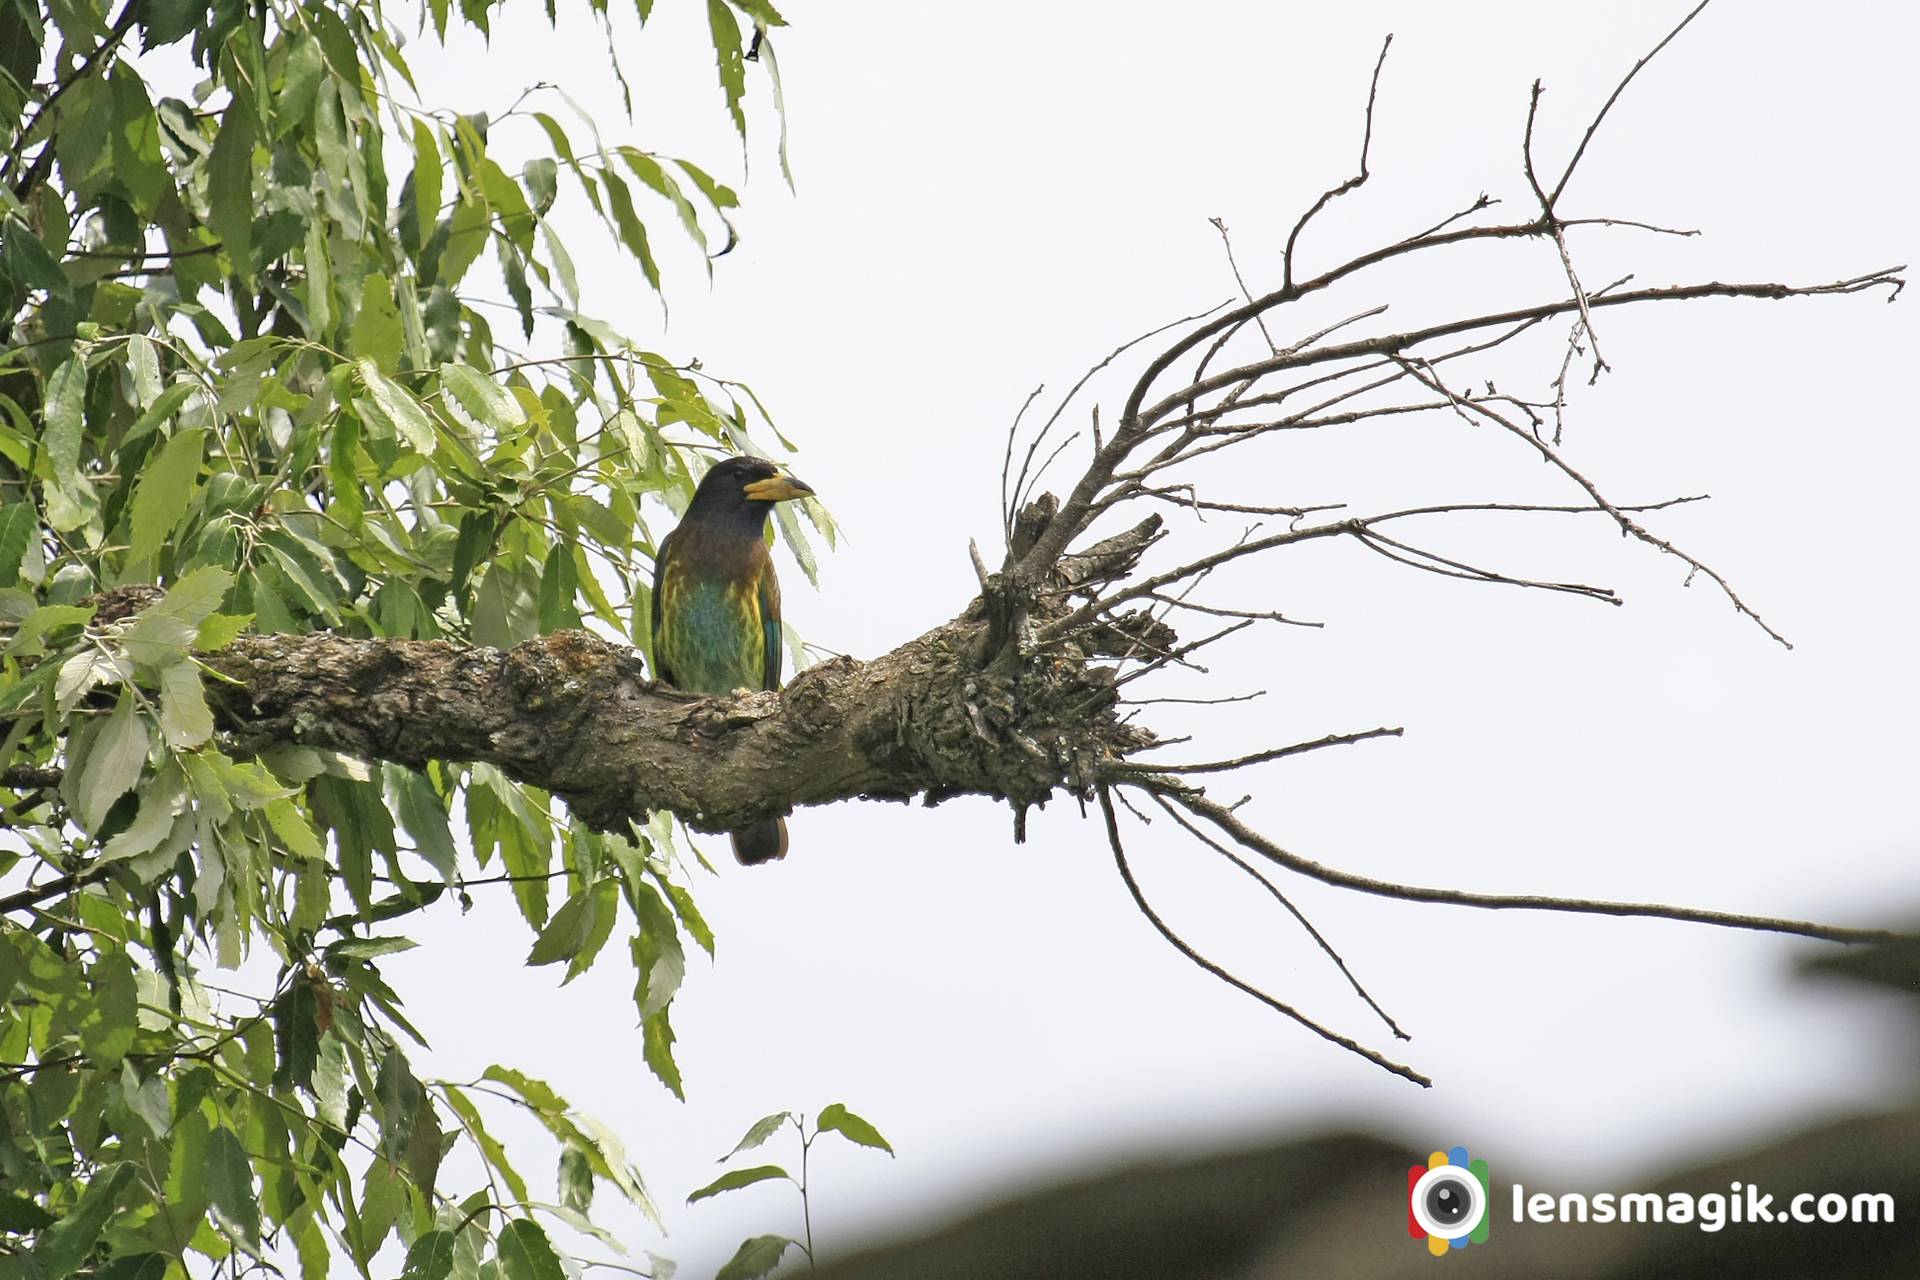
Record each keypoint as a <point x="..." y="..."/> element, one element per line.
<point x="992" y="196"/>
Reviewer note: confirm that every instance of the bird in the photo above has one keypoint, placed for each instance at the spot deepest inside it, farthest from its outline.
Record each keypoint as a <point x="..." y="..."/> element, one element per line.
<point x="716" y="602"/>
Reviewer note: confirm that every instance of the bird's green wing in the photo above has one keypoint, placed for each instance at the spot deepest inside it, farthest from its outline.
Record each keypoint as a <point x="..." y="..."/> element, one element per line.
<point x="769" y="589"/>
<point x="659" y="608"/>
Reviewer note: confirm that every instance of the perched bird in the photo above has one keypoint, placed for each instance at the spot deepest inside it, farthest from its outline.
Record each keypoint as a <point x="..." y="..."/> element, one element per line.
<point x="716" y="602"/>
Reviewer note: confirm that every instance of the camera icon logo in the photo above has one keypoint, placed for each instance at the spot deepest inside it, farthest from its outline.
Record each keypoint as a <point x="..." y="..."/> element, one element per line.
<point x="1449" y="1201"/>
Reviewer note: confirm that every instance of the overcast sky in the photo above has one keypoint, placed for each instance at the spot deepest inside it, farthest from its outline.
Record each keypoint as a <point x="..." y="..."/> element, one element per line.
<point x="991" y="196"/>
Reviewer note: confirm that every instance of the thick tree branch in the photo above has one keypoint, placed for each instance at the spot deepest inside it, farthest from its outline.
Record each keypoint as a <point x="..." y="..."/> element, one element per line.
<point x="577" y="716"/>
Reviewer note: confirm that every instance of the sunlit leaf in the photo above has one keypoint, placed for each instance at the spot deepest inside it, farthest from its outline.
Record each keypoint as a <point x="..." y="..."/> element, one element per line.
<point x="835" y="1118"/>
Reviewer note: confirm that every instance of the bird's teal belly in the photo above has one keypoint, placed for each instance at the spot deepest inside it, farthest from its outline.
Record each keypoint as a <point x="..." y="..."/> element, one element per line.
<point x="712" y="644"/>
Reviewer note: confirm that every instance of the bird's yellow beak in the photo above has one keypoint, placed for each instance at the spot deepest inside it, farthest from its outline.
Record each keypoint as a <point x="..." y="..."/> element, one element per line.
<point x="778" y="489"/>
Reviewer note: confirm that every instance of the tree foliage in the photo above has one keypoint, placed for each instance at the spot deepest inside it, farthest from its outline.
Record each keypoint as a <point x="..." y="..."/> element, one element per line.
<point x="283" y="349"/>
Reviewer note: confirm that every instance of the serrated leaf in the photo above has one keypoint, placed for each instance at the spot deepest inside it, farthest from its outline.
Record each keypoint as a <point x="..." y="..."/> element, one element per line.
<point x="42" y="621"/>
<point x="396" y="407"/>
<point x="538" y="1094"/>
<point x="68" y="1242"/>
<point x="485" y="400"/>
<point x="424" y="816"/>
<point x="575" y="1179"/>
<point x="219" y="630"/>
<point x="837" y="1119"/>
<point x="291" y="825"/>
<point x="162" y="797"/>
<point x="690" y="918"/>
<point x="656" y="1039"/>
<point x="430" y="1258"/>
<point x="734" y="1179"/>
<point x="619" y="1169"/>
<point x="229" y="1177"/>
<point x="161" y="633"/>
<point x="146" y="1099"/>
<point x="763" y="1128"/>
<point x="400" y="1098"/>
<point x="730" y="56"/>
<point x="230" y="206"/>
<point x="64" y="417"/>
<point x="426" y="177"/>
<point x="185" y="721"/>
<point x="573" y="926"/>
<point x="296" y="1035"/>
<point x="81" y="674"/>
<point x="16" y="531"/>
<point x="369" y="948"/>
<point x="164" y="490"/>
<point x="526" y="1254"/>
<point x="114" y="760"/>
<point x="377" y="334"/>
<point x="754" y="1258"/>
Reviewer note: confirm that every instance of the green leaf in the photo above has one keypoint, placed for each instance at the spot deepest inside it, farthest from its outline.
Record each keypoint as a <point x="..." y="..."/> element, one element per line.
<point x="575" y="1179"/>
<point x="370" y="948"/>
<point x="837" y="1119"/>
<point x="731" y="58"/>
<point x="538" y="1094"/>
<point x="165" y="488"/>
<point x="763" y="1128"/>
<point x="756" y="1257"/>
<point x="229" y="1175"/>
<point x="138" y="165"/>
<point x="68" y="1242"/>
<point x="400" y="1099"/>
<point x="162" y="797"/>
<point x="430" y="1258"/>
<point x="503" y="194"/>
<point x="147" y="1099"/>
<point x="690" y="918"/>
<point x="107" y="1031"/>
<point x="397" y="410"/>
<point x="424" y="816"/>
<point x="296" y="1035"/>
<point x="426" y="177"/>
<point x="26" y="260"/>
<point x="18" y="523"/>
<point x="64" y="416"/>
<point x="28" y="637"/>
<point x="185" y="721"/>
<point x="734" y="1179"/>
<point x="115" y="756"/>
<point x="485" y="400"/>
<point x="164" y="406"/>
<point x="467" y="230"/>
<point x="763" y="11"/>
<point x="526" y="1254"/>
<point x="19" y="1215"/>
<point x="541" y="176"/>
<point x="161" y="633"/>
<point x="633" y="233"/>
<point x="291" y="825"/>
<point x="657" y="1048"/>
<point x="219" y="630"/>
<point x="230" y="204"/>
<point x="378" y="335"/>
<point x="580" y="925"/>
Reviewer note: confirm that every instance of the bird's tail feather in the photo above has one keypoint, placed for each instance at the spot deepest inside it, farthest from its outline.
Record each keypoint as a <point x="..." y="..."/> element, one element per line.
<point x="761" y="842"/>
